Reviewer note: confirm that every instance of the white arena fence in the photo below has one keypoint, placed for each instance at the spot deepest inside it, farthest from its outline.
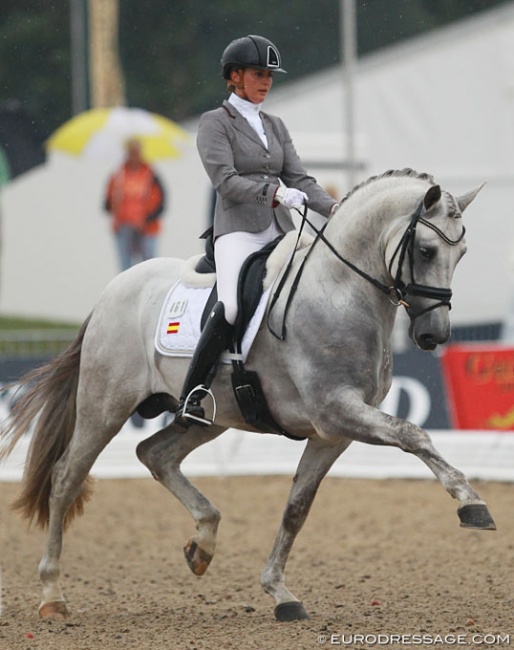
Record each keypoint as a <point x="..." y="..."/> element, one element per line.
<point x="483" y="455"/>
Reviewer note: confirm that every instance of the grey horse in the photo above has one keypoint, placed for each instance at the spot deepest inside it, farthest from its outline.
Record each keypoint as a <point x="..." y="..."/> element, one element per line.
<point x="395" y="241"/>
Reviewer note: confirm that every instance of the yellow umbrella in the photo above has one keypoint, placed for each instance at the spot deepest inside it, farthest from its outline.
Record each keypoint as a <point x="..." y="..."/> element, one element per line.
<point x="103" y="132"/>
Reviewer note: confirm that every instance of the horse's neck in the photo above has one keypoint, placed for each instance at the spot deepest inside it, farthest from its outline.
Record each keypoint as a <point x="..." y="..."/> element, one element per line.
<point x="330" y="277"/>
<point x="358" y="236"/>
<point x="361" y="229"/>
<point x="278" y="260"/>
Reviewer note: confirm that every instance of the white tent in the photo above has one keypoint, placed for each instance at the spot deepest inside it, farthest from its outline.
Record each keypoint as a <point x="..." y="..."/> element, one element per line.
<point x="442" y="103"/>
<point x="58" y="252"/>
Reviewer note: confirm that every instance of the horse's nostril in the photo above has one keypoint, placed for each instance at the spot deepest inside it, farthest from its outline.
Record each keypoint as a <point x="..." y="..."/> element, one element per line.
<point x="427" y="341"/>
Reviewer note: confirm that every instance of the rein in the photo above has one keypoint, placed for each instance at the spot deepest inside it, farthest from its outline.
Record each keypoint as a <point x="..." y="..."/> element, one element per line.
<point x="282" y="335"/>
<point x="397" y="292"/>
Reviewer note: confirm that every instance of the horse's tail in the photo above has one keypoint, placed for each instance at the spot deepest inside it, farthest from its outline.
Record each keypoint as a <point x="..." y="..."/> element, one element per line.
<point x="50" y="396"/>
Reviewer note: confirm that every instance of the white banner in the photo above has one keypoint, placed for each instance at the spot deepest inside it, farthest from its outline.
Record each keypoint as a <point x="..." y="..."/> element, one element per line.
<point x="482" y="455"/>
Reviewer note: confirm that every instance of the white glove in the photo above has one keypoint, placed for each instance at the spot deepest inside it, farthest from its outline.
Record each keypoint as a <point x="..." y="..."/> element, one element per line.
<point x="290" y="197"/>
<point x="333" y="209"/>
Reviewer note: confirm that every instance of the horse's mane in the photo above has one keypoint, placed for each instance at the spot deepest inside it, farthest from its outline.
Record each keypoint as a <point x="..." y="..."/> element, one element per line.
<point x="407" y="172"/>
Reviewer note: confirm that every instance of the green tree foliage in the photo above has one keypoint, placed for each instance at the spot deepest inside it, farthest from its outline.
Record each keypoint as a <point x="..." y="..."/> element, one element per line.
<point x="184" y="63"/>
<point x="35" y="59"/>
<point x="170" y="50"/>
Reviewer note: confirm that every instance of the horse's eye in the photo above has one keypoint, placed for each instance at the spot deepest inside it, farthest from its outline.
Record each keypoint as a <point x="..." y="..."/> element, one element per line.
<point x="426" y="252"/>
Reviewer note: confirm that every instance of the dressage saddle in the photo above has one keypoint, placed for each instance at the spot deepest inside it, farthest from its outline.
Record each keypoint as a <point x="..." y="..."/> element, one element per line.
<point x="245" y="383"/>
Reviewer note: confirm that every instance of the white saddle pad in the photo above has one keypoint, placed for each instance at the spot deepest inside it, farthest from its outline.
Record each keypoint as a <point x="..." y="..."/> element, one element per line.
<point x="178" y="328"/>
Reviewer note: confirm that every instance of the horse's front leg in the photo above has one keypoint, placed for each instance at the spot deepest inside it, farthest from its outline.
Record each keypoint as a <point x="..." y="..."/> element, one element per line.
<point x="317" y="459"/>
<point x="163" y="453"/>
<point x="367" y="424"/>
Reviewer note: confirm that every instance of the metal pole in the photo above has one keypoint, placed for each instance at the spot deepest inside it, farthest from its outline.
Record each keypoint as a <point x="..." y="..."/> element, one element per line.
<point x="79" y="57"/>
<point x="349" y="57"/>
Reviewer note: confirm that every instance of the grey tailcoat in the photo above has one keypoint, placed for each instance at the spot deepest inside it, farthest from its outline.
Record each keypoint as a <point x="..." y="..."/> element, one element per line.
<point x="246" y="174"/>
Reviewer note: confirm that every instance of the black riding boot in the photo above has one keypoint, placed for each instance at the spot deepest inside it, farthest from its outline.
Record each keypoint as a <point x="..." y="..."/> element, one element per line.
<point x="214" y="339"/>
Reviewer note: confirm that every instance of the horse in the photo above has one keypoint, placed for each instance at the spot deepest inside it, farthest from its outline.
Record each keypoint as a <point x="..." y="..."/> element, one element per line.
<point x="323" y="354"/>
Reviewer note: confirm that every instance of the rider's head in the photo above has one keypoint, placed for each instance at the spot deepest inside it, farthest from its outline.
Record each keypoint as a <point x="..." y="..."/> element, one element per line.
<point x="133" y="152"/>
<point x="250" y="52"/>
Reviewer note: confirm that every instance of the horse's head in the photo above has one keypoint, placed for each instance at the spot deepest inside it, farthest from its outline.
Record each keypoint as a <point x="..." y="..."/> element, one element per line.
<point x="422" y="262"/>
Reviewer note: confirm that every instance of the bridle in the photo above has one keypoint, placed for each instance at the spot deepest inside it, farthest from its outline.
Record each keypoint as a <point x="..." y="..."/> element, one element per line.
<point x="398" y="292"/>
<point x="406" y="247"/>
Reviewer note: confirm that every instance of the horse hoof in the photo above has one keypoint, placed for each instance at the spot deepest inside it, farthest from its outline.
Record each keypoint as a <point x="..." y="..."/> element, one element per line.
<point x="476" y="515"/>
<point x="56" y="611"/>
<point x="197" y="559"/>
<point x="293" y="611"/>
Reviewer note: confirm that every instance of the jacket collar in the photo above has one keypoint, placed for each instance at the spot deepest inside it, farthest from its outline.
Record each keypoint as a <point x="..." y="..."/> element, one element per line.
<point x="241" y="124"/>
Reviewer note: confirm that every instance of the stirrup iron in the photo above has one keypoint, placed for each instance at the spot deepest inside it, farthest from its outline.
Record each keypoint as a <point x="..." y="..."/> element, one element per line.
<point x="194" y="418"/>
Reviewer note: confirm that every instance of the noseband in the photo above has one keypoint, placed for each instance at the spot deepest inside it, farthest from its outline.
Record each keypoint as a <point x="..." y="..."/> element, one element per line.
<point x="398" y="292"/>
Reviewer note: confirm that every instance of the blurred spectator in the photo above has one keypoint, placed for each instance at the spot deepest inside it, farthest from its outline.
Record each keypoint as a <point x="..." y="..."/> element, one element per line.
<point x="135" y="199"/>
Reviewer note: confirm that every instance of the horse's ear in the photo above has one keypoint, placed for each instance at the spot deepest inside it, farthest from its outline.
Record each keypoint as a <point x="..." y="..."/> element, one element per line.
<point x="464" y="201"/>
<point x="432" y="196"/>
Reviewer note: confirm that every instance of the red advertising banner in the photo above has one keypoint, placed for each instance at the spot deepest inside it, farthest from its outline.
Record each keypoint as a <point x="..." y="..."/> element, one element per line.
<point x="480" y="384"/>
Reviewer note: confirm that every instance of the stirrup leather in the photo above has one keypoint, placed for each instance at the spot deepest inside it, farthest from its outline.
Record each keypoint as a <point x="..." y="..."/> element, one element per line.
<point x="195" y="418"/>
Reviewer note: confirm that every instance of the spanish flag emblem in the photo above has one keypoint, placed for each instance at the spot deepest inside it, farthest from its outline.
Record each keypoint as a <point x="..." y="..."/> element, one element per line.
<point x="173" y="327"/>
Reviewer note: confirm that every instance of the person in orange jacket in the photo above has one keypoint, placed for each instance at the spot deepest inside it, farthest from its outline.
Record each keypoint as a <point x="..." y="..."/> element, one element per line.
<point x="135" y="198"/>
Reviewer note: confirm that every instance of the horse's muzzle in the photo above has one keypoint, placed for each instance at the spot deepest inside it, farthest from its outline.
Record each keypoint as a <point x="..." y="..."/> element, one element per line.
<point x="429" y="332"/>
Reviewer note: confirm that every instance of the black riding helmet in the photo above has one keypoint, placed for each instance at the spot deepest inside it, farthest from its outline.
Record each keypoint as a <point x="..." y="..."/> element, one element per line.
<point x="250" y="52"/>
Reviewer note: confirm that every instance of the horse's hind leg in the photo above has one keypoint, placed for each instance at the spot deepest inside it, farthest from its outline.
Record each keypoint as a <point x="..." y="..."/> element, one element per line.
<point x="316" y="460"/>
<point x="68" y="476"/>
<point x="162" y="454"/>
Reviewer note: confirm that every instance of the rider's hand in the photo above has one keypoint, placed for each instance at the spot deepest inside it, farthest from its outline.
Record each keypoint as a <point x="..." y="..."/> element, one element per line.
<point x="290" y="197"/>
<point x="333" y="209"/>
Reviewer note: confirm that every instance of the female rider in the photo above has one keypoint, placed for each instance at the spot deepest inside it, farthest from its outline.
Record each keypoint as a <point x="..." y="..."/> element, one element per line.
<point x="258" y="176"/>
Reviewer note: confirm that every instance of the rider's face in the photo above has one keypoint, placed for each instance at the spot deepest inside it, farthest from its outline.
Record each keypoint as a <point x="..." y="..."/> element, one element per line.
<point x="252" y="85"/>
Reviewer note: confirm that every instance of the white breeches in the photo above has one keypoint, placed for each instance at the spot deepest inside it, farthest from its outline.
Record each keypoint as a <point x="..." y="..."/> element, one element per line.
<point x="230" y="252"/>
